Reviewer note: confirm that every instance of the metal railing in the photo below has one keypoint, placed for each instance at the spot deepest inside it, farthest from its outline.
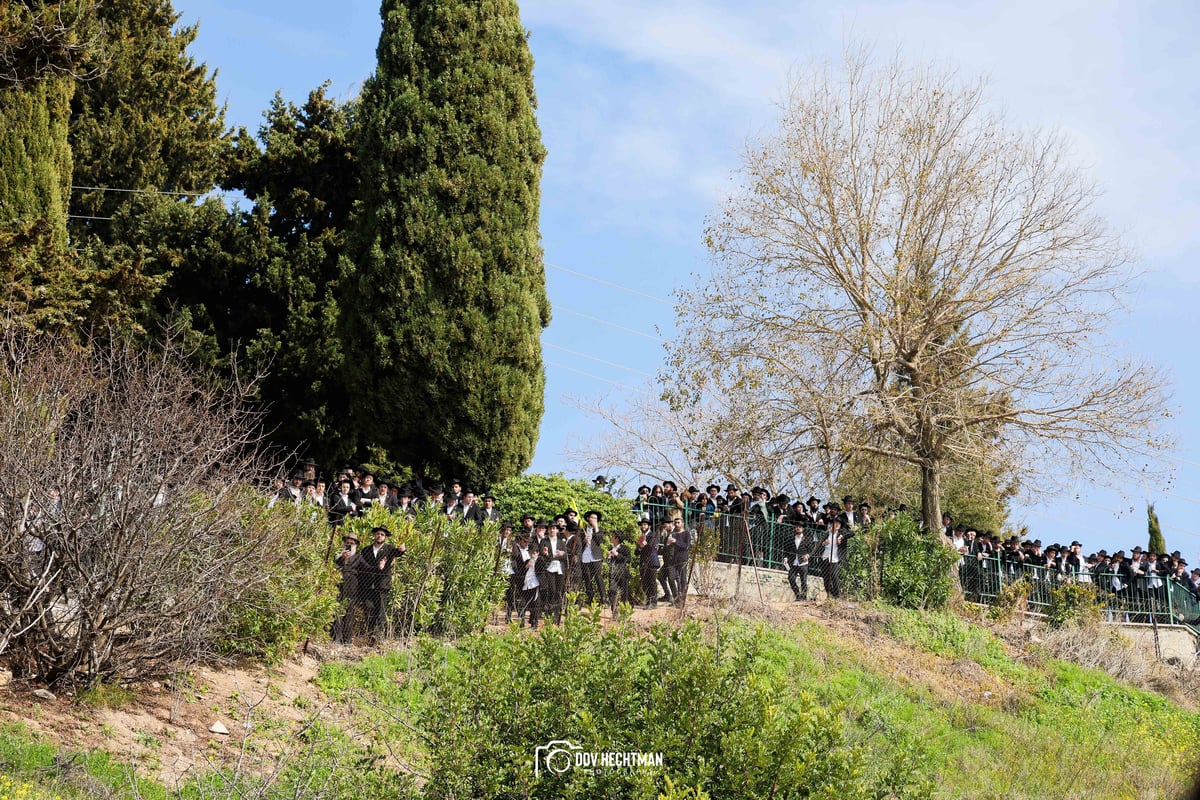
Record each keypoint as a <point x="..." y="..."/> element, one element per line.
<point x="1152" y="599"/>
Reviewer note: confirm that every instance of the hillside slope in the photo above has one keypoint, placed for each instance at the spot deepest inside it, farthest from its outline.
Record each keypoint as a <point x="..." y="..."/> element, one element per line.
<point x="909" y="704"/>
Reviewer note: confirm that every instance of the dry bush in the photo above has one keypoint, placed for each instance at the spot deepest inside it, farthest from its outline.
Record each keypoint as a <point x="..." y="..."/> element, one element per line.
<point x="130" y="525"/>
<point x="1101" y="647"/>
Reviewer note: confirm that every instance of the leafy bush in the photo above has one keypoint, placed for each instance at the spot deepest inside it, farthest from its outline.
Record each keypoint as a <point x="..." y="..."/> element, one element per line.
<point x="894" y="560"/>
<point x="448" y="581"/>
<point x="298" y="596"/>
<point x="544" y="496"/>
<point x="1012" y="600"/>
<point x="1073" y="604"/>
<point x="725" y="726"/>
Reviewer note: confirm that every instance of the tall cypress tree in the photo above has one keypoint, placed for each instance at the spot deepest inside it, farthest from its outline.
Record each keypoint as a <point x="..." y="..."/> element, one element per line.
<point x="40" y="46"/>
<point x="1157" y="543"/>
<point x="446" y="288"/>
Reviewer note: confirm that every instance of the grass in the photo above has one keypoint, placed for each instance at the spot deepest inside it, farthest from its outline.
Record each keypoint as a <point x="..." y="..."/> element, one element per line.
<point x="982" y="720"/>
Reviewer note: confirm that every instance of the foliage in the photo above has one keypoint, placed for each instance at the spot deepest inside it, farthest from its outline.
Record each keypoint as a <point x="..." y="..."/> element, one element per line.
<point x="724" y="726"/>
<point x="298" y="595"/>
<point x="1012" y="600"/>
<point x="1157" y="543"/>
<point x="148" y="121"/>
<point x="46" y="285"/>
<point x="976" y="496"/>
<point x="545" y="496"/>
<point x="44" y="40"/>
<point x="445" y="298"/>
<point x="447" y="583"/>
<point x="36" y="178"/>
<point x="302" y="181"/>
<point x="1073" y="604"/>
<point x="896" y="561"/>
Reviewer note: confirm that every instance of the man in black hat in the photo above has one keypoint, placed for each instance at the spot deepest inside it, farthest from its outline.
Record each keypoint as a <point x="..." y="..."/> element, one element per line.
<point x="850" y="520"/>
<point x="592" y="557"/>
<point x="796" y="555"/>
<point x="524" y="560"/>
<point x="648" y="561"/>
<point x="341" y="505"/>
<point x="680" y="541"/>
<point x="348" y="594"/>
<point x="373" y="572"/>
<point x="404" y="501"/>
<point x="833" y="552"/>
<point x="552" y="569"/>
<point x="488" y="511"/>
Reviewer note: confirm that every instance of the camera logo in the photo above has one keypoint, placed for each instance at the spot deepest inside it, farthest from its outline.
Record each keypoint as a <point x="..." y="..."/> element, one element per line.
<point x="554" y="757"/>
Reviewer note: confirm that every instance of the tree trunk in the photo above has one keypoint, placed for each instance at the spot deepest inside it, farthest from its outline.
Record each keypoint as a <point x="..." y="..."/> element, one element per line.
<point x="931" y="497"/>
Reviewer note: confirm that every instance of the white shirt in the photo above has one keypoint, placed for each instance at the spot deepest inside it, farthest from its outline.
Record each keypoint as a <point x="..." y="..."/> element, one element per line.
<point x="831" y="549"/>
<point x="555" y="566"/>
<point x="588" y="558"/>
<point x="531" y="581"/>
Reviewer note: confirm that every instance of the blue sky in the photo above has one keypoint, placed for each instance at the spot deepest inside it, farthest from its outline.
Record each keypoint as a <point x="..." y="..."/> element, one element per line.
<point x="645" y="107"/>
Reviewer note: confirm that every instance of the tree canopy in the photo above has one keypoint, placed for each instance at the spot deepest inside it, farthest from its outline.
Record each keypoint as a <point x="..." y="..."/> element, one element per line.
<point x="445" y="298"/>
<point x="906" y="276"/>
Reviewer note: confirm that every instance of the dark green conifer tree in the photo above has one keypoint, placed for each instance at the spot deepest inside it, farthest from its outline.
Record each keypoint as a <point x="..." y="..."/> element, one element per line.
<point x="303" y="183"/>
<point x="1157" y="543"/>
<point x="446" y="295"/>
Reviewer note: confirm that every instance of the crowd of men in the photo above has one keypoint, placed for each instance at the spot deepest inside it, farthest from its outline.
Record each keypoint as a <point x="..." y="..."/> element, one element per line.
<point x="547" y="560"/>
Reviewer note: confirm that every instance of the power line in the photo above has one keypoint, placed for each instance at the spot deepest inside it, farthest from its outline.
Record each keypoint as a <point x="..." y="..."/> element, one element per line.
<point x="597" y="377"/>
<point x="141" y="191"/>
<point x="600" y="360"/>
<point x="604" y="282"/>
<point x="611" y="324"/>
<point x="81" y="216"/>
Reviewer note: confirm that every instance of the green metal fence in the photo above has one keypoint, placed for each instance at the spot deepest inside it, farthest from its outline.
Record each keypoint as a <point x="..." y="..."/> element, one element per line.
<point x="752" y="538"/>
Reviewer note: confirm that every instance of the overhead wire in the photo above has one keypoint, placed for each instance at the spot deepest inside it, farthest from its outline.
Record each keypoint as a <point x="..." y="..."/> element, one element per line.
<point x="612" y="284"/>
<point x="609" y="323"/>
<point x="596" y="377"/>
<point x="599" y="360"/>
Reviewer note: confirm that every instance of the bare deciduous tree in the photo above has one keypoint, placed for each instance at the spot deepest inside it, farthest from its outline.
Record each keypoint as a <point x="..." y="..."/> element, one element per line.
<point x="129" y="524"/>
<point x="906" y="276"/>
<point x="650" y="437"/>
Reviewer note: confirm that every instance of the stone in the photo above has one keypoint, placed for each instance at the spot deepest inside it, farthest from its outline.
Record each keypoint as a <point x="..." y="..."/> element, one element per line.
<point x="218" y="727"/>
<point x="44" y="694"/>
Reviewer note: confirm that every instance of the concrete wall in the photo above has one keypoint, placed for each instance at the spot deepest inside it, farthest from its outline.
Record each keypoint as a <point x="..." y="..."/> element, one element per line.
<point x="719" y="580"/>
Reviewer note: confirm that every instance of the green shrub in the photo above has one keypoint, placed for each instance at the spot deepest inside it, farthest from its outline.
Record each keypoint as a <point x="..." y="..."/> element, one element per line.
<point x="448" y="581"/>
<point x="1073" y="604"/>
<point x="1012" y="600"/>
<point x="544" y="496"/>
<point x="726" y="724"/>
<point x="895" y="561"/>
<point x="299" y="596"/>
